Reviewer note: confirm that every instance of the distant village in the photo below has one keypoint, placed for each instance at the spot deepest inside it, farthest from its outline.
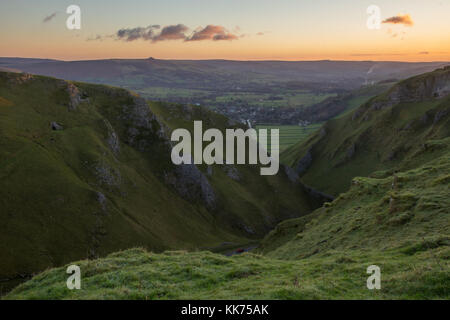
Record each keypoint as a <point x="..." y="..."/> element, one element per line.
<point x="251" y="115"/>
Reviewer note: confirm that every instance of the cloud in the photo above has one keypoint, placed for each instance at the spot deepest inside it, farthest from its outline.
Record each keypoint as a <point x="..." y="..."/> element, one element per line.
<point x="424" y="52"/>
<point x="145" y="33"/>
<point x="227" y="36"/>
<point x="174" y="32"/>
<point x="49" y="17"/>
<point x="212" y="32"/>
<point x="400" y="19"/>
<point x="96" y="38"/>
<point x="100" y="37"/>
<point x="171" y="32"/>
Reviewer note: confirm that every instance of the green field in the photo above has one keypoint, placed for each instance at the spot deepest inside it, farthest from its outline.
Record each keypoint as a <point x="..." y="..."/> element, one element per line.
<point x="210" y="98"/>
<point x="164" y="94"/>
<point x="294" y="98"/>
<point x="290" y="135"/>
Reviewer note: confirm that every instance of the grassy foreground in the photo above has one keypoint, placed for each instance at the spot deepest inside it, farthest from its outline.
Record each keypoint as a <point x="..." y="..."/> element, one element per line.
<point x="399" y="223"/>
<point x="137" y="274"/>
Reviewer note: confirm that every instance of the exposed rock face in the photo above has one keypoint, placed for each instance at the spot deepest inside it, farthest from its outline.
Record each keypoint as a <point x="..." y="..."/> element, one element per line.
<point x="101" y="198"/>
<point x="435" y="86"/>
<point x="144" y="129"/>
<point x="421" y="88"/>
<point x="304" y="163"/>
<point x="142" y="125"/>
<point x="192" y="184"/>
<point x="113" y="139"/>
<point x="74" y="95"/>
<point x="431" y="87"/>
<point x="14" y="79"/>
<point x="56" y="126"/>
<point x="107" y="176"/>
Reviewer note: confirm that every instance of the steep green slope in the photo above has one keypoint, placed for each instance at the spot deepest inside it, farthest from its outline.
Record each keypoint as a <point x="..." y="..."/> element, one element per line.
<point x="335" y="107"/>
<point x="245" y="191"/>
<point x="85" y="170"/>
<point x="406" y="211"/>
<point x="399" y="223"/>
<point x="390" y="131"/>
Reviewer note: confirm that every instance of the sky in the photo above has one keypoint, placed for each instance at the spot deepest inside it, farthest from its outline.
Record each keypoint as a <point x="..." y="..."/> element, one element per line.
<point x="411" y="30"/>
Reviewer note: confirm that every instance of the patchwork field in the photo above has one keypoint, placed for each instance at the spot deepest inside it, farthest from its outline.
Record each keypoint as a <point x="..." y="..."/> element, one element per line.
<point x="235" y="98"/>
<point x="290" y="135"/>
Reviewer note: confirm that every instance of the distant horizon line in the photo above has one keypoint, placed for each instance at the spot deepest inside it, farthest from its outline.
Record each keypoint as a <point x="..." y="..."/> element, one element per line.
<point x="221" y="59"/>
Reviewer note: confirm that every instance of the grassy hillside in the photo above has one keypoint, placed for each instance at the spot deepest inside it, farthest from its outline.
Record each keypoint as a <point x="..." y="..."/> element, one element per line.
<point x="335" y="107"/>
<point x="390" y="131"/>
<point x="137" y="274"/>
<point x="406" y="211"/>
<point x="399" y="223"/>
<point x="397" y="219"/>
<point x="85" y="170"/>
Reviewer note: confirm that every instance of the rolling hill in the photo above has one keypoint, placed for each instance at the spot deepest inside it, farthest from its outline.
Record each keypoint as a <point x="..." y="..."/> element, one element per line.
<point x="240" y="90"/>
<point x="224" y="74"/>
<point x="389" y="132"/>
<point x="85" y="170"/>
